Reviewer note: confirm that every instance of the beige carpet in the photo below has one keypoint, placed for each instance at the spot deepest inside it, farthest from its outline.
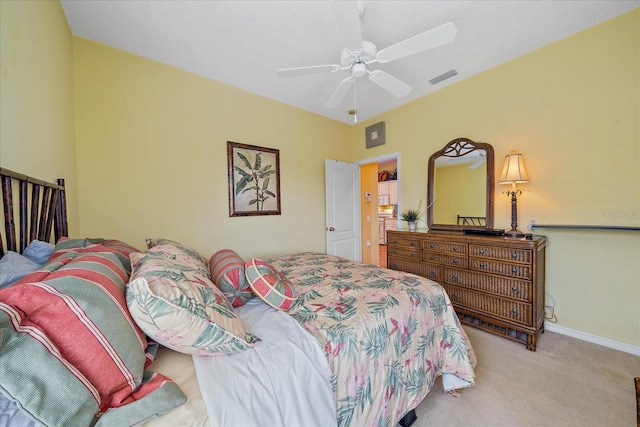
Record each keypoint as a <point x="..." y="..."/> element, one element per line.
<point x="566" y="382"/>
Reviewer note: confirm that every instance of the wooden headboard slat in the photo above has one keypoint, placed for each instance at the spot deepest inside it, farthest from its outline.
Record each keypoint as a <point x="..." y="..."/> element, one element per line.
<point x="7" y="203"/>
<point x="61" y="227"/>
<point x="51" y="210"/>
<point x="35" y="195"/>
<point x="23" y="185"/>
<point x="46" y="194"/>
<point x="47" y="211"/>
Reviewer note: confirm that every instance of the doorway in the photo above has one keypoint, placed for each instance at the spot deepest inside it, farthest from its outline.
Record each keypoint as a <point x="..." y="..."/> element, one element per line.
<point x="374" y="216"/>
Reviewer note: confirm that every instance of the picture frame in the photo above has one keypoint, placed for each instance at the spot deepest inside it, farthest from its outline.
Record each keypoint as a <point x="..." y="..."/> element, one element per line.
<point x="375" y="135"/>
<point x="254" y="180"/>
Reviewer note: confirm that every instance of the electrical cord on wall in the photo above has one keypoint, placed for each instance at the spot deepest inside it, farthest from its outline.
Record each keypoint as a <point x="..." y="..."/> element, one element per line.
<point x="549" y="310"/>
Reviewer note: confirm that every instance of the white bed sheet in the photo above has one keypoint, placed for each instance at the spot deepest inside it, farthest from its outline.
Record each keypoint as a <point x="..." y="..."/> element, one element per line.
<point x="283" y="381"/>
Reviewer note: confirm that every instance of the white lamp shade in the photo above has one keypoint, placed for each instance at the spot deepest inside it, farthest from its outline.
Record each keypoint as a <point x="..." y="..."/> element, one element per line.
<point x="513" y="170"/>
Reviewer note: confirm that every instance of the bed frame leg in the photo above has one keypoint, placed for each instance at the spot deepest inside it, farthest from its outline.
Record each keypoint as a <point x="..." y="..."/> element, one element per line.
<point x="409" y="418"/>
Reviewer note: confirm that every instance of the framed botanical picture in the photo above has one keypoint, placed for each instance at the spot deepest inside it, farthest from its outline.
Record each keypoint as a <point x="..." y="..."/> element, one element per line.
<point x="254" y="180"/>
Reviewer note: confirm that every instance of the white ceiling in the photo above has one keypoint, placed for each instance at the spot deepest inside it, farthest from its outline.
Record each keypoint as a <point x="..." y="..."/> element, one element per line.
<point x="243" y="43"/>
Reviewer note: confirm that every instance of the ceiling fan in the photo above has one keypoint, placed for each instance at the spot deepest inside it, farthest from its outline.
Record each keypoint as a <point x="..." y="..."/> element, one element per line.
<point x="358" y="54"/>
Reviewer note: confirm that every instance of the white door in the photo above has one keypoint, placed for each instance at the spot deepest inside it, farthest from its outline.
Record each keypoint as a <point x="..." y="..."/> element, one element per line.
<point x="342" y="188"/>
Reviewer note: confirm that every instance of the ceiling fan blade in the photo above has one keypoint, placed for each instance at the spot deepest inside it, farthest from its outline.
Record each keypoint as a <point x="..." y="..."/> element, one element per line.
<point x="339" y="93"/>
<point x="430" y="39"/>
<point x="303" y="71"/>
<point x="477" y="163"/>
<point x="389" y="83"/>
<point x="347" y="18"/>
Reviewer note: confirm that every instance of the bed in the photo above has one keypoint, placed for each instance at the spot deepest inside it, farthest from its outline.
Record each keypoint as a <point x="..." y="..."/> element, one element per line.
<point x="298" y="339"/>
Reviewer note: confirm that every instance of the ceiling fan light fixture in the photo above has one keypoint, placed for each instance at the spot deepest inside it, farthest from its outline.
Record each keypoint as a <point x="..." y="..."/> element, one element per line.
<point x="359" y="69"/>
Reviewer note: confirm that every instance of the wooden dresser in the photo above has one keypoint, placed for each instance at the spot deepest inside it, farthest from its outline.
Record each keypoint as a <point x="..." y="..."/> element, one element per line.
<point x="494" y="283"/>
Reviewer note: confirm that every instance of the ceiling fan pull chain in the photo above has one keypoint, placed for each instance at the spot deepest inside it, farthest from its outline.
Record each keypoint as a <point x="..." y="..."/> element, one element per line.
<point x="355" y="102"/>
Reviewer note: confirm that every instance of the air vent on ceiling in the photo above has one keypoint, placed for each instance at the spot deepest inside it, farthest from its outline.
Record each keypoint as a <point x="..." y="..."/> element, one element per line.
<point x="443" y="76"/>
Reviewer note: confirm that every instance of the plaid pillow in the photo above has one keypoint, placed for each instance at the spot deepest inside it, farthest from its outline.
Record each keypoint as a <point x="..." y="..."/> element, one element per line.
<point x="269" y="284"/>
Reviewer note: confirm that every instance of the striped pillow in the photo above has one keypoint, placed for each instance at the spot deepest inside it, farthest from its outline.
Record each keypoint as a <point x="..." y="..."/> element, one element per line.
<point x="227" y="272"/>
<point x="72" y="319"/>
<point x="118" y="248"/>
<point x="269" y="284"/>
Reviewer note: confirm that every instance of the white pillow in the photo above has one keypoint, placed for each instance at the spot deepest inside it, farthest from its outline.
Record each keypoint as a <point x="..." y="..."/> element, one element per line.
<point x="14" y="267"/>
<point x="38" y="251"/>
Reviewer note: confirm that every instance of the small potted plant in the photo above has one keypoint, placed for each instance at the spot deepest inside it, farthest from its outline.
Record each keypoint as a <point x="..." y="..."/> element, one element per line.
<point x="412" y="216"/>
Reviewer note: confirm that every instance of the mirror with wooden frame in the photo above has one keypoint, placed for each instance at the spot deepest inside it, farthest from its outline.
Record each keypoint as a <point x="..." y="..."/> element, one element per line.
<point x="461" y="186"/>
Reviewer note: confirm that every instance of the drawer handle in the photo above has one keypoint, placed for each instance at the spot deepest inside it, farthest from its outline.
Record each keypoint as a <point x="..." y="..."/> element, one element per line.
<point x="482" y="265"/>
<point x="514" y="255"/>
<point x="515" y="290"/>
<point x="454" y="297"/>
<point x="413" y="254"/>
<point x="431" y="245"/>
<point x="432" y="257"/>
<point x="481" y="251"/>
<point x="514" y="312"/>
<point x="455" y="249"/>
<point x="514" y="270"/>
<point x="395" y="265"/>
<point x="454" y="278"/>
<point x="433" y="273"/>
<point x="455" y="260"/>
<point x="395" y="252"/>
<point x="412" y="243"/>
<point x="394" y="241"/>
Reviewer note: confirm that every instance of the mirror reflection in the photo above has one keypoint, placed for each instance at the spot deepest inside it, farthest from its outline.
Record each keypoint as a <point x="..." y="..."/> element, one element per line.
<point x="460" y="189"/>
<point x="461" y="186"/>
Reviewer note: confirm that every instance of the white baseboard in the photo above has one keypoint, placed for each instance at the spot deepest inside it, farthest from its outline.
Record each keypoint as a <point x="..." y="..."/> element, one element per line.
<point x="595" y="339"/>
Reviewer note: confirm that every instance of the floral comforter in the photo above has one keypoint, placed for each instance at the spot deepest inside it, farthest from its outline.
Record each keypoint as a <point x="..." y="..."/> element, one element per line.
<point x="387" y="334"/>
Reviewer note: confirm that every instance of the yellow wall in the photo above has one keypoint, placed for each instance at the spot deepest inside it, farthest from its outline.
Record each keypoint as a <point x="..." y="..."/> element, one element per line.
<point x="36" y="95"/>
<point x="152" y="157"/>
<point x="573" y="109"/>
<point x="151" y="150"/>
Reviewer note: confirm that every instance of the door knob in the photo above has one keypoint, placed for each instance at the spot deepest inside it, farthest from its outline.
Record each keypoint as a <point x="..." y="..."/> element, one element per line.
<point x="331" y="229"/>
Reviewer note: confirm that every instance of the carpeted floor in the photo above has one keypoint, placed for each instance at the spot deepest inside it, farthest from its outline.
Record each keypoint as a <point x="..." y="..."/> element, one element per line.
<point x="566" y="382"/>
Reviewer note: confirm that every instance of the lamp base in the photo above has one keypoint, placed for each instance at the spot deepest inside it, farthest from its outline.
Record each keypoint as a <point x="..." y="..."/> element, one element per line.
<point x="514" y="234"/>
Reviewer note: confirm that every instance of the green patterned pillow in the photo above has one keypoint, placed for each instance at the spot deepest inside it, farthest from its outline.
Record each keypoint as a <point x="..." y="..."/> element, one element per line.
<point x="179" y="306"/>
<point x="178" y="252"/>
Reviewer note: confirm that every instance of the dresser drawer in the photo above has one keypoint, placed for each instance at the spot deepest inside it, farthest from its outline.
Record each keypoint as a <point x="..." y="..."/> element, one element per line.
<point x="414" y="254"/>
<point x="442" y="258"/>
<point x="399" y="241"/>
<point x="445" y="246"/>
<point x="497" y="252"/>
<point x="520" y="271"/>
<point x="434" y="272"/>
<point x="503" y="308"/>
<point x="430" y="271"/>
<point x="498" y="285"/>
